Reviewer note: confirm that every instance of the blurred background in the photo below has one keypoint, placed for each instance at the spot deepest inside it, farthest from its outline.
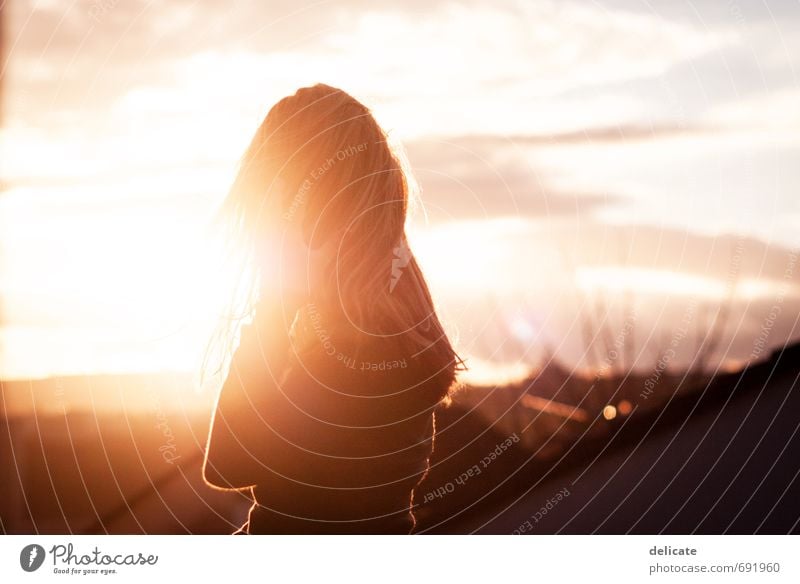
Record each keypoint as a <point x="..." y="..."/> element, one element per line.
<point x="609" y="219"/>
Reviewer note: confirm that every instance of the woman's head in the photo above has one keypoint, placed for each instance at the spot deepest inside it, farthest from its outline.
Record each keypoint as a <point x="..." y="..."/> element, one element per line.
<point x="320" y="175"/>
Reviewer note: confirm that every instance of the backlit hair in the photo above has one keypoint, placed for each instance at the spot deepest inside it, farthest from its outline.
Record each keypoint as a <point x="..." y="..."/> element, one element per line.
<point x="320" y="158"/>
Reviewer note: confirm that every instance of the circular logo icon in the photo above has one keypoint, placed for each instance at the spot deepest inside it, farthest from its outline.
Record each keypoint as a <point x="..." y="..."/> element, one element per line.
<point x="31" y="557"/>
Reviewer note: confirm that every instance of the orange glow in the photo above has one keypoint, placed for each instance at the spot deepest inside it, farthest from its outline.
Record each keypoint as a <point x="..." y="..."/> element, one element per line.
<point x="131" y="289"/>
<point x="609" y="412"/>
<point x="650" y="281"/>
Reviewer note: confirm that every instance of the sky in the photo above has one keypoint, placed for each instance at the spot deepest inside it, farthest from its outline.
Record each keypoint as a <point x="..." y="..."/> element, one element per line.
<point x="573" y="158"/>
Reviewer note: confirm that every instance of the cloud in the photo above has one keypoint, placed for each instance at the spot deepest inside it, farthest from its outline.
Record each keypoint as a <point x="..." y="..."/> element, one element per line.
<point x="476" y="177"/>
<point x="437" y="67"/>
<point x="589" y="135"/>
<point x="769" y="115"/>
<point x="526" y="274"/>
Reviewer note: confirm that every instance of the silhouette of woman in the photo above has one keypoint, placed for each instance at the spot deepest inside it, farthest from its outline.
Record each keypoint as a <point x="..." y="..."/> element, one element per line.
<point x="327" y="412"/>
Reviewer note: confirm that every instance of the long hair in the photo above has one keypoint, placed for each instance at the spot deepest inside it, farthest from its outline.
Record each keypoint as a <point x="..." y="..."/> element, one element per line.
<point x="320" y="158"/>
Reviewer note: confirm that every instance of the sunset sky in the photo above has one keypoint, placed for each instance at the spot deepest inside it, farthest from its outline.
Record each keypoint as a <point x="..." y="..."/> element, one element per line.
<point x="566" y="151"/>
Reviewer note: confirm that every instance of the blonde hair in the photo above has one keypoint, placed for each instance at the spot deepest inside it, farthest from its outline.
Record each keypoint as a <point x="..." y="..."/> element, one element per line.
<point x="319" y="157"/>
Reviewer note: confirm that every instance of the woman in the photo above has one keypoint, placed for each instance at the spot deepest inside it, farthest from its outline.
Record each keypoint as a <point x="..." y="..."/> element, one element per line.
<point x="327" y="413"/>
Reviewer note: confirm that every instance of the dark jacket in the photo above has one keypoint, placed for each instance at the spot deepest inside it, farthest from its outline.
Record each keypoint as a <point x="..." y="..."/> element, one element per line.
<point x="332" y="433"/>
